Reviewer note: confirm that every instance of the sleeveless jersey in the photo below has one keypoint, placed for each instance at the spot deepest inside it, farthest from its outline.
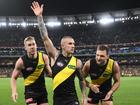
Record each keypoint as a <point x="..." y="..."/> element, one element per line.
<point x="64" y="71"/>
<point x="33" y="73"/>
<point x="102" y="75"/>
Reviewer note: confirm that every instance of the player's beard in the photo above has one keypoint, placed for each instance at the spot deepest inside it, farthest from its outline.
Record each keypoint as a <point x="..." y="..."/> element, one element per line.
<point x="101" y="62"/>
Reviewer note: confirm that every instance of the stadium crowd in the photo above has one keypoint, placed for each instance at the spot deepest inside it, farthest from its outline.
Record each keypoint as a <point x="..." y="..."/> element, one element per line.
<point x="122" y="38"/>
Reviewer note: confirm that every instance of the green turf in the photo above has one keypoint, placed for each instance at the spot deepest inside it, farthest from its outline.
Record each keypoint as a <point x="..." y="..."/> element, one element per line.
<point x="128" y="93"/>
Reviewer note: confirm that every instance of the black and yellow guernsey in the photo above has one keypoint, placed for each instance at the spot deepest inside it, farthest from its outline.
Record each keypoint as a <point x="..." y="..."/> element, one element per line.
<point x="33" y="73"/>
<point x="102" y="75"/>
<point x="64" y="71"/>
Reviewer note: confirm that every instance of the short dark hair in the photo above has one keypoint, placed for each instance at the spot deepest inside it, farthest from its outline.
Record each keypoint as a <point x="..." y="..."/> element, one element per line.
<point x="67" y="36"/>
<point x="64" y="37"/>
<point x="103" y="47"/>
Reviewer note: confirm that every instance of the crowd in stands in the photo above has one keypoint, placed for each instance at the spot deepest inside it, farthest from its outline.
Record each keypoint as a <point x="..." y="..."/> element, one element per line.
<point x="5" y="72"/>
<point x="130" y="70"/>
<point x="84" y="35"/>
<point x="122" y="38"/>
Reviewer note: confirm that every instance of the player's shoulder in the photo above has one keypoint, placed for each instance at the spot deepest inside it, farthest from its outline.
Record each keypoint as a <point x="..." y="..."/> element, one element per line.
<point x="20" y="60"/>
<point x="19" y="63"/>
<point x="88" y="62"/>
<point x="45" y="57"/>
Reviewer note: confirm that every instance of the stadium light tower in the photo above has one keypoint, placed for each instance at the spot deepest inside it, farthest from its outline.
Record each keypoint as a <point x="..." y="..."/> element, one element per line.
<point x="105" y="21"/>
<point x="3" y="24"/>
<point x="53" y="24"/>
<point x="23" y="24"/>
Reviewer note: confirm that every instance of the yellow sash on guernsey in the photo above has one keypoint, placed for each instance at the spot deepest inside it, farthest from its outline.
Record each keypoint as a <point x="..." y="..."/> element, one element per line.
<point x="65" y="73"/>
<point x="35" y="75"/>
<point x="106" y="74"/>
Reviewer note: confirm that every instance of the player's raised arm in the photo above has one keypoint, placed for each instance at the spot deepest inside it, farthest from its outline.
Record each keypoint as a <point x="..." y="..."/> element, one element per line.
<point x="38" y="10"/>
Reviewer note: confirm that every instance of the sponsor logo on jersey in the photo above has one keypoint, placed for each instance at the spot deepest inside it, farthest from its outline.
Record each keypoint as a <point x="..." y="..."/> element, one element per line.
<point x="40" y="66"/>
<point x="72" y="67"/>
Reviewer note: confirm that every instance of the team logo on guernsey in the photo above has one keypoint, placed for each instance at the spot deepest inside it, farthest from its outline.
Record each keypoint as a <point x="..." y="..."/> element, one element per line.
<point x="106" y="74"/>
<point x="29" y="69"/>
<point x="72" y="67"/>
<point x="40" y="66"/>
<point x="60" y="64"/>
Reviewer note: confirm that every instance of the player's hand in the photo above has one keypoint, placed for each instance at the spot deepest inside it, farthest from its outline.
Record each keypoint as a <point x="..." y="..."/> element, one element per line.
<point x="37" y="9"/>
<point x="84" y="101"/>
<point x="94" y="88"/>
<point x="14" y="96"/>
<point x="108" y="95"/>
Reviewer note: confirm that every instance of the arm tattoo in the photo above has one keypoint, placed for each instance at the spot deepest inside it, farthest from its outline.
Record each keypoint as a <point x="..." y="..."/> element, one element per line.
<point x="42" y="28"/>
<point x="79" y="74"/>
<point x="87" y="83"/>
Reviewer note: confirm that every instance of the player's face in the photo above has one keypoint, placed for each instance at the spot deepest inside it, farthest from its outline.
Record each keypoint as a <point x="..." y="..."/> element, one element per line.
<point x="31" y="47"/>
<point x="101" y="57"/>
<point x="69" y="45"/>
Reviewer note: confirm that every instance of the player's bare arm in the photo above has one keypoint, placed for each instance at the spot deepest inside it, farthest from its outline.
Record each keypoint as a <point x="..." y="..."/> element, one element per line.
<point x="47" y="66"/>
<point x="38" y="10"/>
<point x="82" y="81"/>
<point x="116" y="77"/>
<point x="85" y="70"/>
<point x="15" y="74"/>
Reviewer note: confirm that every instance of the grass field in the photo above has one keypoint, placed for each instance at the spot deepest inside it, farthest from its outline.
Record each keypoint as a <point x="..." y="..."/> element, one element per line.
<point x="128" y="93"/>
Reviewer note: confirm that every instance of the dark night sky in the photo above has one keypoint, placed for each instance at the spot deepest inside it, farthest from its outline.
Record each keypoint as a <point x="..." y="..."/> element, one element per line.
<point x="65" y="7"/>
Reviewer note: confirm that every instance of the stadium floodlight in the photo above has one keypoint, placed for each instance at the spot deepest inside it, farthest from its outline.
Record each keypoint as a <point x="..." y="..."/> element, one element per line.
<point x="117" y="19"/>
<point x="23" y="24"/>
<point x="105" y="21"/>
<point x="136" y="17"/>
<point x="74" y="22"/>
<point x="53" y="24"/>
<point x="90" y="22"/>
<point x="12" y="24"/>
<point x="3" y="24"/>
<point x="70" y="23"/>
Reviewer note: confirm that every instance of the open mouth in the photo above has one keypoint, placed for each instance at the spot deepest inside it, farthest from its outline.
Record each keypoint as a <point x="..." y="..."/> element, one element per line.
<point x="33" y="52"/>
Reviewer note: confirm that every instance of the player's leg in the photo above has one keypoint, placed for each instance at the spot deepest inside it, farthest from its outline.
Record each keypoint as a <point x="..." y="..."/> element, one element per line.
<point x="32" y="104"/>
<point x="30" y="98"/>
<point x="44" y="104"/>
<point x="107" y="102"/>
<point x="92" y="101"/>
